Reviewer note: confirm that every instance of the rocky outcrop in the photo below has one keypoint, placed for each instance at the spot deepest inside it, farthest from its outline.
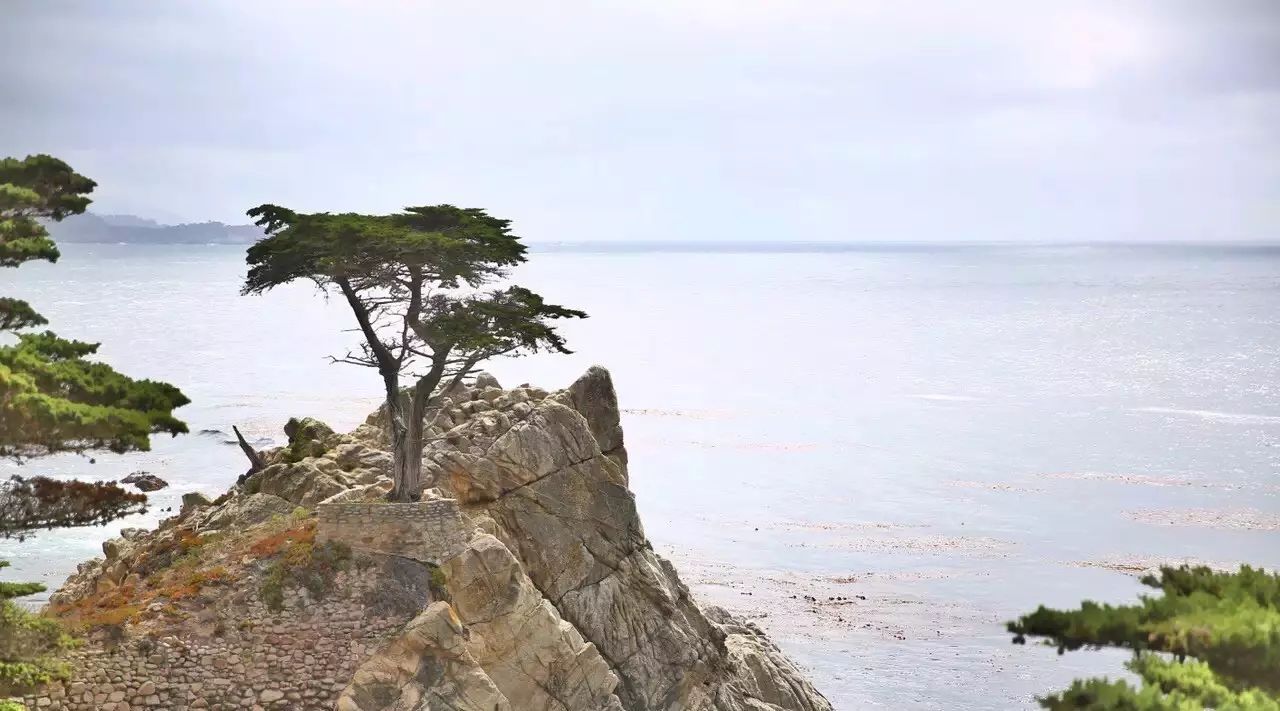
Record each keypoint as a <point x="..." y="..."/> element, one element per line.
<point x="547" y="476"/>
<point x="594" y="397"/>
<point x="501" y="625"/>
<point x="545" y="594"/>
<point x="243" y="511"/>
<point x="194" y="500"/>
<point x="426" y="667"/>
<point x="145" y="481"/>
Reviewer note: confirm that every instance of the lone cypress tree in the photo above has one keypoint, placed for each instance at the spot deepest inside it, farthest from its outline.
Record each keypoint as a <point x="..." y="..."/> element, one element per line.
<point x="1209" y="640"/>
<point x="53" y="399"/>
<point x="411" y="280"/>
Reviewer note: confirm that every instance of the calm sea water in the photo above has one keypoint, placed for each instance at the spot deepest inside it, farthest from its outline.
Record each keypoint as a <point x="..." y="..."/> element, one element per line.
<point x="955" y="434"/>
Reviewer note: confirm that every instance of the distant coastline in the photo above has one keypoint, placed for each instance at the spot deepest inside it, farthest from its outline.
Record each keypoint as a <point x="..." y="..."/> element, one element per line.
<point x="889" y="247"/>
<point x="91" y="228"/>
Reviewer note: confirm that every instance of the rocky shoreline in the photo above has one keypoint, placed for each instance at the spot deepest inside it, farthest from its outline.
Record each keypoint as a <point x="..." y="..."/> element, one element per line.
<point x="524" y="581"/>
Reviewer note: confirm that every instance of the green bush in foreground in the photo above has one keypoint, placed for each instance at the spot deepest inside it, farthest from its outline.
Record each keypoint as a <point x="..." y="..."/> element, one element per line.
<point x="1209" y="640"/>
<point x="28" y="643"/>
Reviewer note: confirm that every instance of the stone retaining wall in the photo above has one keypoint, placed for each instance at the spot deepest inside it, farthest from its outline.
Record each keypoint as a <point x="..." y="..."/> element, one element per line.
<point x="429" y="531"/>
<point x="237" y="654"/>
<point x="243" y="656"/>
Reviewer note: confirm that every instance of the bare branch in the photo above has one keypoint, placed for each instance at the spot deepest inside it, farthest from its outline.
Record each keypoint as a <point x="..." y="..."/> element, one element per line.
<point x="354" y="361"/>
<point x="255" y="459"/>
<point x="386" y="363"/>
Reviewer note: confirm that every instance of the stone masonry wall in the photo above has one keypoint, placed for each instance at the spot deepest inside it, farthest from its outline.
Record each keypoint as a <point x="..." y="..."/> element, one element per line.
<point x="244" y="656"/>
<point x="429" y="531"/>
<point x="237" y="654"/>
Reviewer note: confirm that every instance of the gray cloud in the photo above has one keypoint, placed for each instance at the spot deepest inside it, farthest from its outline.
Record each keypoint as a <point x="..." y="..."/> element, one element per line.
<point x="711" y="119"/>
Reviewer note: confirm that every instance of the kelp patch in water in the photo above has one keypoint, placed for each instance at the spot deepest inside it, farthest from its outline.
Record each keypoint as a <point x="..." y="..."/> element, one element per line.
<point x="1238" y="520"/>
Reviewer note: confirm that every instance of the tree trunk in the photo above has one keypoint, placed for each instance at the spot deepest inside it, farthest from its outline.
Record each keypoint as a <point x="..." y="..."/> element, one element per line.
<point x="397" y="432"/>
<point x="414" y="444"/>
<point x="400" y="490"/>
<point x="413" y="440"/>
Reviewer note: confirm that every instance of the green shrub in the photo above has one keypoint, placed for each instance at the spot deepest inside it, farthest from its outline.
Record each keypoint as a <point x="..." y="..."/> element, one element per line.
<point x="272" y="589"/>
<point x="29" y="644"/>
<point x="307" y="565"/>
<point x="1221" y="632"/>
<point x="438" y="584"/>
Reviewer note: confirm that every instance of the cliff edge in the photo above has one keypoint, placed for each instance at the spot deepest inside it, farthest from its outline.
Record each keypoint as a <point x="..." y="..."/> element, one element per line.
<point x="522" y="581"/>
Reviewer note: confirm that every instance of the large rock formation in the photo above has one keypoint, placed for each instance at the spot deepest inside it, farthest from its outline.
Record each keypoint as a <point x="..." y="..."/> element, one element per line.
<point x="548" y="596"/>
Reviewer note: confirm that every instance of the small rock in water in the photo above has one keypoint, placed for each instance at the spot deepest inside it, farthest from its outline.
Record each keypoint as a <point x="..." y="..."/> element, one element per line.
<point x="145" y="481"/>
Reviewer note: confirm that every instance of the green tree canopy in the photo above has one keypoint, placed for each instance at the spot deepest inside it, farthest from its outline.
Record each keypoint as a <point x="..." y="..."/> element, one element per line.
<point x="413" y="281"/>
<point x="1222" y="631"/>
<point x="52" y="398"/>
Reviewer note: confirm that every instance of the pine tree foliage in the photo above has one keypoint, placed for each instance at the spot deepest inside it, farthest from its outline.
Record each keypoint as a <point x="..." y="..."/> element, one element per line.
<point x="1208" y="640"/>
<point x="52" y="397"/>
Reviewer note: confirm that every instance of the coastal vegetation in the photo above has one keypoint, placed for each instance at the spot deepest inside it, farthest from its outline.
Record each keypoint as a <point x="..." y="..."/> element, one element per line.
<point x="1209" y="639"/>
<point x="29" y="644"/>
<point x="31" y="503"/>
<point x="172" y="577"/>
<point x="413" y="281"/>
<point x="303" y="563"/>
<point x="53" y="398"/>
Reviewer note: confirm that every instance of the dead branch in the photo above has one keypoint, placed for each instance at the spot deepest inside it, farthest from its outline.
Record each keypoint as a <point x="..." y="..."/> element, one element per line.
<point x="255" y="459"/>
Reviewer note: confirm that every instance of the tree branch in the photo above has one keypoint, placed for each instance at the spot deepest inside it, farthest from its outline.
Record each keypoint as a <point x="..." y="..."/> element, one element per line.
<point x="386" y="362"/>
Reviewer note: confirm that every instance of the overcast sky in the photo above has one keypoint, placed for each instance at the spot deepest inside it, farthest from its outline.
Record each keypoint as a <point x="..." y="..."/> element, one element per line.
<point x="670" y="120"/>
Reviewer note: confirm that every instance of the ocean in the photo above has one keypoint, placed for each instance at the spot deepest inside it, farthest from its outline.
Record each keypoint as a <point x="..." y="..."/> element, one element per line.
<point x="880" y="453"/>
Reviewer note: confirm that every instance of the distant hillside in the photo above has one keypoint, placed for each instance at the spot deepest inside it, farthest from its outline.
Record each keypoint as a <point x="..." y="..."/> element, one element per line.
<point x="129" y="221"/>
<point x="132" y="229"/>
